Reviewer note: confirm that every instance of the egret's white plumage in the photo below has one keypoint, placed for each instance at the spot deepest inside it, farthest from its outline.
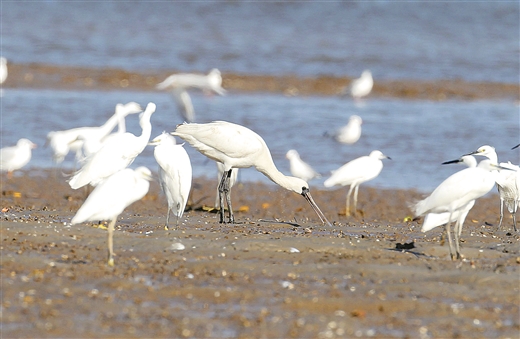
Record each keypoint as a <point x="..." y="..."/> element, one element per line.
<point x="432" y="220"/>
<point x="508" y="183"/>
<point x="300" y="168"/>
<point x="356" y="172"/>
<point x="115" y="154"/>
<point x="108" y="200"/>
<point x="3" y="69"/>
<point x="236" y="146"/>
<point x="455" y="193"/>
<point x="351" y="132"/>
<point x="15" y="157"/>
<point x="362" y="86"/>
<point x="175" y="173"/>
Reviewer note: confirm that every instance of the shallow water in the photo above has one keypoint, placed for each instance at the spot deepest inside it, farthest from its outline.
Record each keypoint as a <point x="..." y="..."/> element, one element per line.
<point x="417" y="135"/>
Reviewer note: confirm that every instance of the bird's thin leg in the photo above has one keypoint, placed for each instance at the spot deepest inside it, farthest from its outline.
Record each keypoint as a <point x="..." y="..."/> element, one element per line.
<point x="501" y="212"/>
<point x="167" y="219"/>
<point x="227" y="191"/>
<point x="355" y="198"/>
<point x="221" y="196"/>
<point x="514" y="215"/>
<point x="111" y="242"/>
<point x="448" y="231"/>
<point x="347" y="210"/>
<point x="457" y="236"/>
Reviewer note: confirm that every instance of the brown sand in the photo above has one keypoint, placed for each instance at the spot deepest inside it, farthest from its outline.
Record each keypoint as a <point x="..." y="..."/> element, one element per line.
<point x="244" y="280"/>
<point x="49" y="76"/>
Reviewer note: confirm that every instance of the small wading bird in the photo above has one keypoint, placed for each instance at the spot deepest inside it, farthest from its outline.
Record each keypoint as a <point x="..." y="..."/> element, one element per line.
<point x="350" y="133"/>
<point x="13" y="158"/>
<point x="108" y="200"/>
<point x="360" y="87"/>
<point x="175" y="173"/>
<point x="356" y="172"/>
<point x="236" y="146"/>
<point x="115" y="154"/>
<point x="181" y="82"/>
<point x="300" y="168"/>
<point x="508" y="183"/>
<point x="454" y="195"/>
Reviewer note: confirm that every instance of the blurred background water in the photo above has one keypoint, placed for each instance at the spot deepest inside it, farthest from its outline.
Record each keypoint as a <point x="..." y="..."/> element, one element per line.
<point x="395" y="40"/>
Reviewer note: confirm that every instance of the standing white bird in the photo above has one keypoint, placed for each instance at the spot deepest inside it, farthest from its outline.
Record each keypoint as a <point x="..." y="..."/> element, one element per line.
<point x="108" y="200"/>
<point x="115" y="154"/>
<point x="232" y="180"/>
<point x="3" y="69"/>
<point x="360" y="87"/>
<point x="432" y="220"/>
<point x="508" y="183"/>
<point x="351" y="132"/>
<point x="236" y="146"/>
<point x="455" y="193"/>
<point x="15" y="157"/>
<point x="356" y="172"/>
<point x="175" y="173"/>
<point x="300" y="168"/>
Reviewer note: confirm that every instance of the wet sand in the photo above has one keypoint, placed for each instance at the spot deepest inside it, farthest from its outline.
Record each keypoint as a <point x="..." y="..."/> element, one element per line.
<point x="277" y="273"/>
<point x="77" y="78"/>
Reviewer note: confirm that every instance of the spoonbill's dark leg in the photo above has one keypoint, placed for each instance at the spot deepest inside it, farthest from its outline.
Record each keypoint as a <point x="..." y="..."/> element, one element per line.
<point x="227" y="191"/>
<point x="221" y="195"/>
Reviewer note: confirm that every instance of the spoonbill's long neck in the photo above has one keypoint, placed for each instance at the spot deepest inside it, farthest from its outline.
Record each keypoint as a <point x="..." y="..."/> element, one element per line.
<point x="268" y="168"/>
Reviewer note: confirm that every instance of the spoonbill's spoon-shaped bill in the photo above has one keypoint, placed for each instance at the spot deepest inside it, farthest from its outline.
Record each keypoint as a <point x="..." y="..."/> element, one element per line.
<point x="108" y="200"/>
<point x="236" y="146"/>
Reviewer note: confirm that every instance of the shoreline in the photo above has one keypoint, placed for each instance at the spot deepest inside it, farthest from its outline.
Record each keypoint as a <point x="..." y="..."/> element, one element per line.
<point x="40" y="76"/>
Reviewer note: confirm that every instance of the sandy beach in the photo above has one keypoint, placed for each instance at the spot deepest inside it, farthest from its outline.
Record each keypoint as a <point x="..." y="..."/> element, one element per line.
<point x="277" y="273"/>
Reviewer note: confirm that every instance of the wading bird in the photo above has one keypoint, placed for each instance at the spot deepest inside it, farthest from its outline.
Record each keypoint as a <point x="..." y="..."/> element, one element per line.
<point x="13" y="158"/>
<point x="175" y="173"/>
<point x="236" y="146"/>
<point x="360" y="87"/>
<point x="351" y="132"/>
<point x="108" y="200"/>
<point x="115" y="154"/>
<point x="356" y="172"/>
<point x="3" y="70"/>
<point x="300" y="168"/>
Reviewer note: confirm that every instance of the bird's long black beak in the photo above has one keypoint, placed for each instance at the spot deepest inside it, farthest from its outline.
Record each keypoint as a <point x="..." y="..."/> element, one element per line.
<point x="307" y="195"/>
<point x="456" y="161"/>
<point x="516" y="146"/>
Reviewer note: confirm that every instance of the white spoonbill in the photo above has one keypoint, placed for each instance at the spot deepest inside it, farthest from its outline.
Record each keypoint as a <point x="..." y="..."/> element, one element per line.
<point x="175" y="173"/>
<point x="13" y="158"/>
<point x="455" y="193"/>
<point x="212" y="82"/>
<point x="300" y="168"/>
<point x="360" y="87"/>
<point x="115" y="154"/>
<point x="232" y="181"/>
<point x="356" y="172"/>
<point x="508" y="183"/>
<point x="351" y="132"/>
<point x="432" y="220"/>
<point x="236" y="146"/>
<point x="108" y="200"/>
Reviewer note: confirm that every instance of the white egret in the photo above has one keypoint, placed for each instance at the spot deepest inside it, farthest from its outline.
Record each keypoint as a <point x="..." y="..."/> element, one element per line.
<point x="3" y="70"/>
<point x="432" y="220"/>
<point x="115" y="154"/>
<point x="13" y="158"/>
<point x="212" y="82"/>
<point x="108" y="200"/>
<point x="236" y="146"/>
<point x="300" y="168"/>
<point x="356" y="172"/>
<point x="455" y="193"/>
<point x="350" y="133"/>
<point x="232" y="180"/>
<point x="175" y="173"/>
<point x="508" y="183"/>
<point x="360" y="87"/>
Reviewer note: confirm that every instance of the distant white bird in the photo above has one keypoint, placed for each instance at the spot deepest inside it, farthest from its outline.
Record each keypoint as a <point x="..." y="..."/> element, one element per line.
<point x="181" y="82"/>
<point x="508" y="183"/>
<point x="108" y="200"/>
<point x="236" y="146"/>
<point x="455" y="193"/>
<point x="15" y="157"/>
<point x="432" y="220"/>
<point x="362" y="86"/>
<point x="356" y="172"/>
<point x="3" y="69"/>
<point x="300" y="168"/>
<point x="115" y="154"/>
<point x="350" y="133"/>
<point x="232" y="181"/>
<point x="175" y="173"/>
